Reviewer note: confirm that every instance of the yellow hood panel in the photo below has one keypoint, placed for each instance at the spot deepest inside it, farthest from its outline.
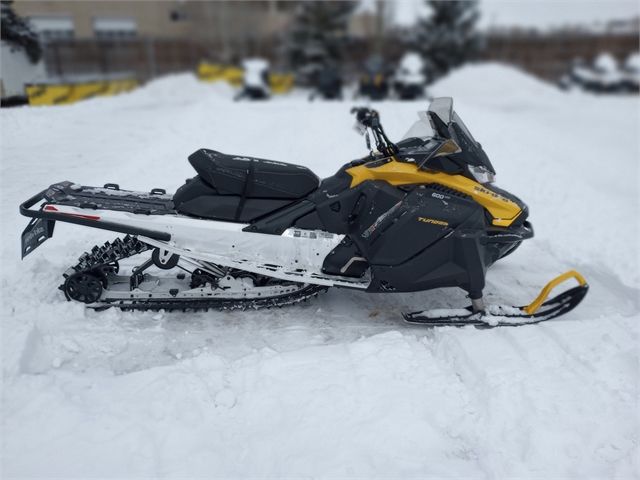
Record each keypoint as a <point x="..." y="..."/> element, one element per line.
<point x="503" y="210"/>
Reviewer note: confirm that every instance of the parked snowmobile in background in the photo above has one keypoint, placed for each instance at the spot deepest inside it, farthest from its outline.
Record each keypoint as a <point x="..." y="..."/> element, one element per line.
<point x="608" y="77"/>
<point x="255" y="83"/>
<point x="327" y="84"/>
<point x="374" y="82"/>
<point x="603" y="76"/>
<point x="245" y="232"/>
<point x="579" y="76"/>
<point x="409" y="80"/>
<point x="631" y="74"/>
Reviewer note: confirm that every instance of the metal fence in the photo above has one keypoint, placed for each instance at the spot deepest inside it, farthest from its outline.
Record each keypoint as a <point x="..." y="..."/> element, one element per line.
<point x="143" y="58"/>
<point x="545" y="55"/>
<point x="549" y="55"/>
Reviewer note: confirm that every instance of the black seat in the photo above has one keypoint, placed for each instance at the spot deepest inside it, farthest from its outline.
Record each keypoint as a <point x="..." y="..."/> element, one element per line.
<point x="241" y="189"/>
<point x="253" y="177"/>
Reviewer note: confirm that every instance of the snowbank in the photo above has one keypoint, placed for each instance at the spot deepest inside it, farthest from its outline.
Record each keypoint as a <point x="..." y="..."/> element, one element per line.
<point x="494" y="82"/>
<point x="339" y="386"/>
<point x="176" y="88"/>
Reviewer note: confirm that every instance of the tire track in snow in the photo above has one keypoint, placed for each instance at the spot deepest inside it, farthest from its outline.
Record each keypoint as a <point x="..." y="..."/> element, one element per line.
<point x="453" y="358"/>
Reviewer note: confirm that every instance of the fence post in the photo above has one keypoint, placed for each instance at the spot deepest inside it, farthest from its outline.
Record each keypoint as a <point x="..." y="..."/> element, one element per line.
<point x="56" y="58"/>
<point x="151" y="58"/>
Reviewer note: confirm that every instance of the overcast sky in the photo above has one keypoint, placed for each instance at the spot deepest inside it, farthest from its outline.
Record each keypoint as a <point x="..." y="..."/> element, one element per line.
<point x="530" y="13"/>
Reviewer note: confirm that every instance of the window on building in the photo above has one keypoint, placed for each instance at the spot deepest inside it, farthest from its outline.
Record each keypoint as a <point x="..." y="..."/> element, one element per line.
<point x="52" y="28"/>
<point x="109" y="28"/>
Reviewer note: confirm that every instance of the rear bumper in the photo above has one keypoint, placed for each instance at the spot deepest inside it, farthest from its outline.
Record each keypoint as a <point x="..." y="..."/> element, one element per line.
<point x="40" y="228"/>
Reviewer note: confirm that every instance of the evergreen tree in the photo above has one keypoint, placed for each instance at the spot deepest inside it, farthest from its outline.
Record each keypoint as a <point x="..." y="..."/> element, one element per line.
<point x="447" y="38"/>
<point x="16" y="31"/>
<point x="318" y="35"/>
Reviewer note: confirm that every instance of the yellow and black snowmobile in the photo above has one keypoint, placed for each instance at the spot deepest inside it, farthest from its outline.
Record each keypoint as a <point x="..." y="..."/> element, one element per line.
<point x="246" y="232"/>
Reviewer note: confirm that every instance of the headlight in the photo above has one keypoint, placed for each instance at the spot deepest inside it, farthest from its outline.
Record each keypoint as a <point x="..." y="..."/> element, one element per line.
<point x="481" y="174"/>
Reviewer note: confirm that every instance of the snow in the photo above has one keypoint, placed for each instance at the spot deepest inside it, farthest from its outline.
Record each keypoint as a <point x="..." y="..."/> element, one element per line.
<point x="632" y="62"/>
<point x="606" y="63"/>
<point x="337" y="387"/>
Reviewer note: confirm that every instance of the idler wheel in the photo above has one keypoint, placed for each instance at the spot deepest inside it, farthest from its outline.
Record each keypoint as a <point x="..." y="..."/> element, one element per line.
<point x="164" y="259"/>
<point x="83" y="287"/>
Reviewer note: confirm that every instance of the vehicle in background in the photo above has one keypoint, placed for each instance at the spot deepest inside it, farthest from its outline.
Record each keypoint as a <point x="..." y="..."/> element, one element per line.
<point x="631" y="74"/>
<point x="410" y="80"/>
<point x="608" y="77"/>
<point x="255" y="83"/>
<point x="604" y="75"/>
<point x="327" y="83"/>
<point x="374" y="82"/>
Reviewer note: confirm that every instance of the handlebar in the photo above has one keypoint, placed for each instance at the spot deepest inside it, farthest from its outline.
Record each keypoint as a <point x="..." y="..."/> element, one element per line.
<point x="370" y="118"/>
<point x="367" y="117"/>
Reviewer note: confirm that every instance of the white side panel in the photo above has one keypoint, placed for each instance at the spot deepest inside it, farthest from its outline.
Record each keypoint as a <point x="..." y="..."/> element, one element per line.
<point x="296" y="255"/>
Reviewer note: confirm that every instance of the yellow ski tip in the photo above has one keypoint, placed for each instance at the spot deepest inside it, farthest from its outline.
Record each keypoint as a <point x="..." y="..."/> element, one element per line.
<point x="544" y="293"/>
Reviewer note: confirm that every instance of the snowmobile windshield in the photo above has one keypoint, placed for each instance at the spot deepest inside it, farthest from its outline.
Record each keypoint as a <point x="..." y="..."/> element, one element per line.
<point x="426" y="127"/>
<point x="447" y="135"/>
<point x="420" y="129"/>
<point x="458" y="121"/>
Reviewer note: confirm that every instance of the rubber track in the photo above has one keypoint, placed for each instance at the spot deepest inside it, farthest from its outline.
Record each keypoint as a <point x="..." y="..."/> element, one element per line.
<point x="218" y="304"/>
<point x="98" y="258"/>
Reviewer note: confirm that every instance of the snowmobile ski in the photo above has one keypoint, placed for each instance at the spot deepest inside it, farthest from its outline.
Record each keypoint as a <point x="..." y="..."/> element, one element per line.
<point x="540" y="310"/>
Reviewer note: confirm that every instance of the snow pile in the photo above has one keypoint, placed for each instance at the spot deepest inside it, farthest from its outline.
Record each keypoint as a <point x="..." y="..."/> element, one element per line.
<point x="494" y="82"/>
<point x="338" y="386"/>
<point x="177" y="89"/>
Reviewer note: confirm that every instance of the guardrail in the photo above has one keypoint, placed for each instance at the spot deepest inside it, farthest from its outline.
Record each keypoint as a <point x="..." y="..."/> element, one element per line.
<point x="215" y="72"/>
<point x="61" y="93"/>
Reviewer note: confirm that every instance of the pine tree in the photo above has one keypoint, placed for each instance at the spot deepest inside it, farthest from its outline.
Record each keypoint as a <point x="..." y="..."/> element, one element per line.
<point x="447" y="38"/>
<point x="16" y="31"/>
<point x="318" y="35"/>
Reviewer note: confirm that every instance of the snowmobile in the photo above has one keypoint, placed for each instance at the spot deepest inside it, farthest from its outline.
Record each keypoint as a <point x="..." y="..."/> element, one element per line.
<point x="602" y="76"/>
<point x="631" y="74"/>
<point x="409" y="81"/>
<point x="246" y="232"/>
<point x="327" y="84"/>
<point x="255" y="82"/>
<point x="374" y="82"/>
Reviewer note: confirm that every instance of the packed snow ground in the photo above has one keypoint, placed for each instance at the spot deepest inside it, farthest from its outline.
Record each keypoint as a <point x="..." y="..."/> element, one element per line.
<point x="338" y="387"/>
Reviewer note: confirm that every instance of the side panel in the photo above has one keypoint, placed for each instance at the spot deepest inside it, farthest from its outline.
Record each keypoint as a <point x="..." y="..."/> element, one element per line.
<point x="424" y="238"/>
<point x="450" y="262"/>
<point x="297" y="255"/>
<point x="412" y="237"/>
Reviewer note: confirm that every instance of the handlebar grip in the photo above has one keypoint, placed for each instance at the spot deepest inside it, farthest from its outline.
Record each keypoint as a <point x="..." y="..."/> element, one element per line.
<point x="367" y="116"/>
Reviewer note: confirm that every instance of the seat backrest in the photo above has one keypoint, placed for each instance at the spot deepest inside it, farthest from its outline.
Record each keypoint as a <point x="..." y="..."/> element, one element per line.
<point x="267" y="179"/>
